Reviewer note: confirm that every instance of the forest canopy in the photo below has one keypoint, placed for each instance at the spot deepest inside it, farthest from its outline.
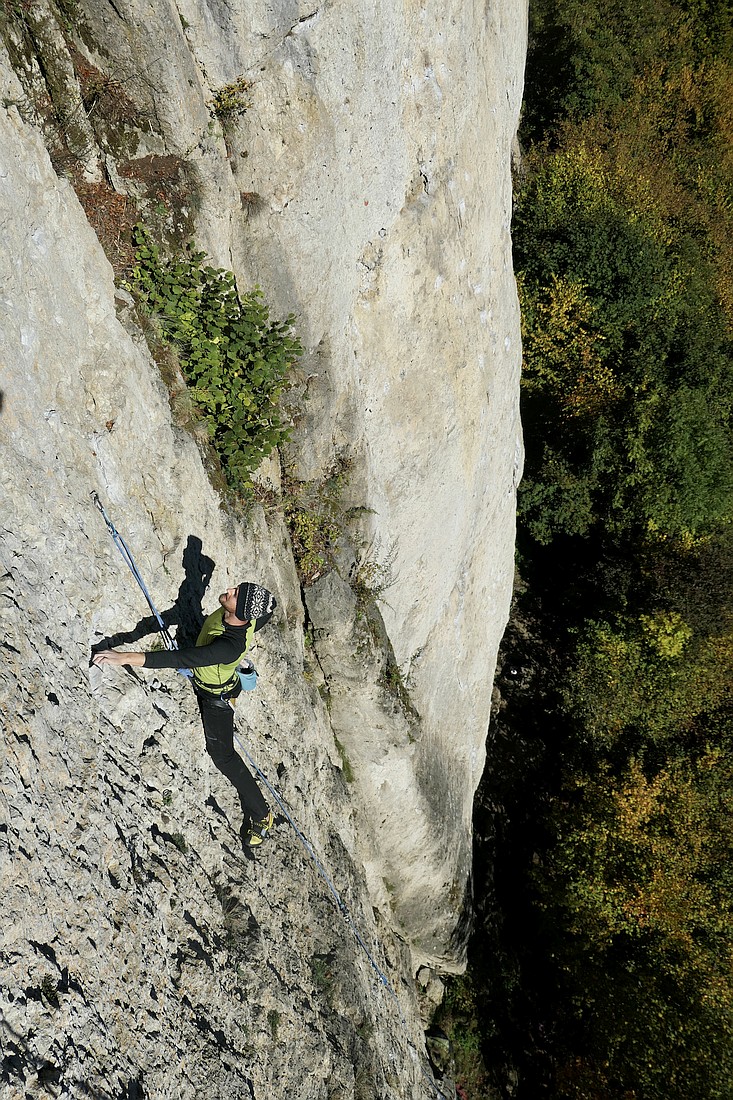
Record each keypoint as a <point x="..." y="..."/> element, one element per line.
<point x="609" y="795"/>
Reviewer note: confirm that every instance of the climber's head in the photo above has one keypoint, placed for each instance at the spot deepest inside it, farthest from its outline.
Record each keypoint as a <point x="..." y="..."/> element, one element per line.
<point x="254" y="602"/>
<point x="246" y="603"/>
<point x="228" y="601"/>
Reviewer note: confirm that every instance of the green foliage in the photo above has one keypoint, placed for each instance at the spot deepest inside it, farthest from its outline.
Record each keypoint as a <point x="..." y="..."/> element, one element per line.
<point x="627" y="385"/>
<point x="624" y="243"/>
<point x="612" y="797"/>
<point x="231" y="99"/>
<point x="393" y="681"/>
<point x="273" y="1020"/>
<point x="588" y="58"/>
<point x="345" y="762"/>
<point x="314" y="532"/>
<point x="321" y="968"/>
<point x="234" y="358"/>
<point x="646" y="674"/>
<point x="179" y="841"/>
<point x="316" y="517"/>
<point x="49" y="989"/>
<point x="640" y="882"/>
<point x="459" y="1017"/>
<point x="373" y="573"/>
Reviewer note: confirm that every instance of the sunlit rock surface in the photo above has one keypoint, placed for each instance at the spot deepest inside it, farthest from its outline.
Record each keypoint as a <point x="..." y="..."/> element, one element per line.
<point x="366" y="187"/>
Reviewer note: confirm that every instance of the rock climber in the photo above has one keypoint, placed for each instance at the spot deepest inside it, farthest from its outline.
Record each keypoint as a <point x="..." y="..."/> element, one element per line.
<point x="224" y="638"/>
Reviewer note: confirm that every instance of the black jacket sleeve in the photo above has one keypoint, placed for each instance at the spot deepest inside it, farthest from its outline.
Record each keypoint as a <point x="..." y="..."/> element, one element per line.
<point x="222" y="651"/>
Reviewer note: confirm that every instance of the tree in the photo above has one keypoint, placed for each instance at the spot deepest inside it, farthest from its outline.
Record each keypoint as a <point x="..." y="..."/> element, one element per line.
<point x="640" y="885"/>
<point x="627" y="386"/>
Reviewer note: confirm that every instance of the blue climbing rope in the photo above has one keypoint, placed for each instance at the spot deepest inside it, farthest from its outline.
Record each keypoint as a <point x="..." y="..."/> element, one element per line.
<point x="170" y="642"/>
<point x="340" y="903"/>
<point x="130" y="562"/>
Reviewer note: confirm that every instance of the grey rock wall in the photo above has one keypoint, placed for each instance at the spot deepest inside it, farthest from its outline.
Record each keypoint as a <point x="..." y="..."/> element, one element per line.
<point x="378" y="141"/>
<point x="142" y="954"/>
<point x="365" y="187"/>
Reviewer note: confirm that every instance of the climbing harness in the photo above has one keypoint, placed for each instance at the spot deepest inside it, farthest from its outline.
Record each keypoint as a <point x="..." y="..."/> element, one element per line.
<point x="171" y="644"/>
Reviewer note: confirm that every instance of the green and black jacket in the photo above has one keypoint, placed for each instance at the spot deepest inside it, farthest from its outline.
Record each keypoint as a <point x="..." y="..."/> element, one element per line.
<point x="214" y="658"/>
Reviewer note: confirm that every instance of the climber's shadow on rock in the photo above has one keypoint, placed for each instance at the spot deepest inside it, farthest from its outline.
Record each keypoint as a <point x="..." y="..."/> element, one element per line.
<point x="186" y="613"/>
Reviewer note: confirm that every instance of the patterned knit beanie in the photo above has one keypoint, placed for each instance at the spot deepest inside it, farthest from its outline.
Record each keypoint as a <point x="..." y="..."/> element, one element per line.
<point x="254" y="601"/>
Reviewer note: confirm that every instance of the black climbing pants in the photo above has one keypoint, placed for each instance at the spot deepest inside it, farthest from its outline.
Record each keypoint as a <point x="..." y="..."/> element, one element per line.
<point x="218" y="719"/>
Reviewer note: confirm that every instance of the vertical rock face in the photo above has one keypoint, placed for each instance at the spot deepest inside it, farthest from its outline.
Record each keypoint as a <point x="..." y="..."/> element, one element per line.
<point x="142" y="954"/>
<point x="366" y="188"/>
<point x="377" y="144"/>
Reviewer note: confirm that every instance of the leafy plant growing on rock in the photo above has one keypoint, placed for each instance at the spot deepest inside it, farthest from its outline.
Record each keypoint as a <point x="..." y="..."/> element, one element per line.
<point x="231" y="99"/>
<point x="321" y="967"/>
<point x="314" y="534"/>
<point x="49" y="989"/>
<point x="345" y="762"/>
<point x="373" y="573"/>
<point x="460" y="1016"/>
<point x="234" y="358"/>
<point x="179" y="840"/>
<point x="273" y="1020"/>
<point x="316" y="518"/>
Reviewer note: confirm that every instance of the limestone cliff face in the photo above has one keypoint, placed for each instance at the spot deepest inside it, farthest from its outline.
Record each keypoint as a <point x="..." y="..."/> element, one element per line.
<point x="378" y="142"/>
<point x="366" y="188"/>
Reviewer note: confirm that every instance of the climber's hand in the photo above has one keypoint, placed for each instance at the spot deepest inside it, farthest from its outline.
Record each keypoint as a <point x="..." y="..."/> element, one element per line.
<point x="117" y="657"/>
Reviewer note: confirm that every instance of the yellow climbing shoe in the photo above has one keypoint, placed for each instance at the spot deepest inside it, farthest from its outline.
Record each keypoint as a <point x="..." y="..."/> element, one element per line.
<point x="259" y="831"/>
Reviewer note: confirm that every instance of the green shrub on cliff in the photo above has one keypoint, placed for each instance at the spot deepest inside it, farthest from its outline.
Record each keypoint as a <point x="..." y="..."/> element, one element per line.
<point x="234" y="358"/>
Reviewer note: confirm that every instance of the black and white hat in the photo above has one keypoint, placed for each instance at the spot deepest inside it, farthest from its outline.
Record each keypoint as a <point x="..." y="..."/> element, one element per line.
<point x="254" y="602"/>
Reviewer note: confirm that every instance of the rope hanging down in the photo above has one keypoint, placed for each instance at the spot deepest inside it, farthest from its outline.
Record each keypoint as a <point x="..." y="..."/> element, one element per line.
<point x="340" y="903"/>
<point x="171" y="644"/>
<point x="342" y="908"/>
<point x="130" y="562"/>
